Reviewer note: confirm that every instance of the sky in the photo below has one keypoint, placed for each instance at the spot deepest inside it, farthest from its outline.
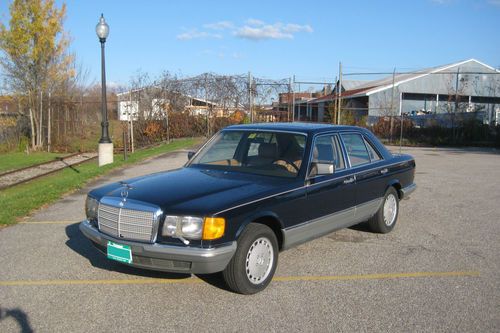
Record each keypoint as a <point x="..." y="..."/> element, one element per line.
<point x="279" y="39"/>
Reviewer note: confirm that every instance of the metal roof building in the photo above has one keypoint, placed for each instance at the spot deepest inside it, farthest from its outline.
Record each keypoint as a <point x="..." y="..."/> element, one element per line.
<point x="466" y="86"/>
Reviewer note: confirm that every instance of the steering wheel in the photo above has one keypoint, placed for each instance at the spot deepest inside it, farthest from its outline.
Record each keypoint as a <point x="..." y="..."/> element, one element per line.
<point x="287" y="162"/>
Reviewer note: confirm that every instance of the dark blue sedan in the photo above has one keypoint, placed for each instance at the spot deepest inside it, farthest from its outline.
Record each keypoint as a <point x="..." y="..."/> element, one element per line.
<point x="248" y="193"/>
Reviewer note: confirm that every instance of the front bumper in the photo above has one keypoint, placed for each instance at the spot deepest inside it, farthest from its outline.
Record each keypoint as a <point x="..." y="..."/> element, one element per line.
<point x="167" y="258"/>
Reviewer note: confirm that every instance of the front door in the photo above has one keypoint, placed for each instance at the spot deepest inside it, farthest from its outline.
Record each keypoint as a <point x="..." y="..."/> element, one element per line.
<point x="330" y="198"/>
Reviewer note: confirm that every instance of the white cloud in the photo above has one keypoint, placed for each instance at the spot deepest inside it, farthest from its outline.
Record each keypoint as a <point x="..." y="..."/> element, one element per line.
<point x="252" y="29"/>
<point x="252" y="21"/>
<point x="264" y="32"/>
<point x="291" y="28"/>
<point x="195" y="34"/>
<point x="221" y="25"/>
<point x="441" y="2"/>
<point x="259" y="30"/>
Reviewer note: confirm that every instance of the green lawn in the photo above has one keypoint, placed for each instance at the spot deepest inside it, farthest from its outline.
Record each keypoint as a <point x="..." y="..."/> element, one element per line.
<point x="20" y="200"/>
<point x="18" y="160"/>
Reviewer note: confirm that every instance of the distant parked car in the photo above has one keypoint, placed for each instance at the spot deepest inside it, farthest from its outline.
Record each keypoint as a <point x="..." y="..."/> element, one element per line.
<point x="248" y="193"/>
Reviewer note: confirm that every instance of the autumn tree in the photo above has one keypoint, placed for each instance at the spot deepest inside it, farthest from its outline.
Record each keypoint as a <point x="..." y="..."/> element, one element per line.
<point x="34" y="56"/>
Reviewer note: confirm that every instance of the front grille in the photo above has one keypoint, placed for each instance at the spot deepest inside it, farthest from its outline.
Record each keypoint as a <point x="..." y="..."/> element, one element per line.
<point x="126" y="223"/>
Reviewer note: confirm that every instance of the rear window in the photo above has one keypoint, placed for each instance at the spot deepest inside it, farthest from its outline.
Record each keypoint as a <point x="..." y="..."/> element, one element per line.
<point x="374" y="155"/>
<point x="356" y="149"/>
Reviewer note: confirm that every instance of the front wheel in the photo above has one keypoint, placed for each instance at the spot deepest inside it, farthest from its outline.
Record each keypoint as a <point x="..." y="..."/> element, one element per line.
<point x="385" y="218"/>
<point x="253" y="265"/>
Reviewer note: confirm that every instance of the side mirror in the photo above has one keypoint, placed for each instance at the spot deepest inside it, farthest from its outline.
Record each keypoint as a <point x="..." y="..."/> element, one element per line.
<point x="191" y="154"/>
<point x="325" y="168"/>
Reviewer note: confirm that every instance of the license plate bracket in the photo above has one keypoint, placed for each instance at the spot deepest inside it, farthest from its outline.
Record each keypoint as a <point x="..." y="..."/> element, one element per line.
<point x="119" y="252"/>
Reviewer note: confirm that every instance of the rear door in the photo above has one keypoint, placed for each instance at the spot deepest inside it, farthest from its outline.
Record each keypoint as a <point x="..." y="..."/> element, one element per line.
<point x="368" y="166"/>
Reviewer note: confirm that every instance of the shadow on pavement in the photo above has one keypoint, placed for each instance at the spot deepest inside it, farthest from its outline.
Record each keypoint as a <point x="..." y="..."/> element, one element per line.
<point x="81" y="245"/>
<point x="215" y="280"/>
<point x="19" y="316"/>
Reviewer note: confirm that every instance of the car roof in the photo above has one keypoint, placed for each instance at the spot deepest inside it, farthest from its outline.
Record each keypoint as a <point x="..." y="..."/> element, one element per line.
<point x="308" y="128"/>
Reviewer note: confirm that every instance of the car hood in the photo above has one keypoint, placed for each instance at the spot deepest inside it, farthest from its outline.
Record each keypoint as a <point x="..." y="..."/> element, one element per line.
<point x="193" y="190"/>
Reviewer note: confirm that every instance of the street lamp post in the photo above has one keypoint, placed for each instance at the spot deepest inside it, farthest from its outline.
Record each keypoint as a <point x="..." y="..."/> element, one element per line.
<point x="105" y="144"/>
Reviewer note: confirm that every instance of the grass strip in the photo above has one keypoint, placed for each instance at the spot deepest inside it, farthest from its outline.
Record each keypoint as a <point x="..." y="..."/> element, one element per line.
<point x="20" y="200"/>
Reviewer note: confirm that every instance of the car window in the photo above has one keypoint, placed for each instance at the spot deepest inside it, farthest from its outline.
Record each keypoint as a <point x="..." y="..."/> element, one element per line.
<point x="255" y="139"/>
<point x="374" y="155"/>
<point x="224" y="148"/>
<point x="269" y="153"/>
<point x="327" y="150"/>
<point x="356" y="149"/>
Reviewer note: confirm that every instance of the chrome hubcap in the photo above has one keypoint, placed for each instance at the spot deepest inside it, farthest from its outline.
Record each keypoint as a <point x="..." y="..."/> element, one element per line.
<point x="259" y="261"/>
<point x="390" y="209"/>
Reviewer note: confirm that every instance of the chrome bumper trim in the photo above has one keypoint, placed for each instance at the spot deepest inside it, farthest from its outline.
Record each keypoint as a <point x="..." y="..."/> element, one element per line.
<point x="406" y="191"/>
<point x="203" y="260"/>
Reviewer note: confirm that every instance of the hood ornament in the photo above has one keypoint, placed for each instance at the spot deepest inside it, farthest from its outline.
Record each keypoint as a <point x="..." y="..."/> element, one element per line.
<point x="124" y="193"/>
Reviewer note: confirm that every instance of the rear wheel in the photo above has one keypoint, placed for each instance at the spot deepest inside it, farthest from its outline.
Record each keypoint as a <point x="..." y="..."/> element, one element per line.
<point x="385" y="218"/>
<point x="253" y="265"/>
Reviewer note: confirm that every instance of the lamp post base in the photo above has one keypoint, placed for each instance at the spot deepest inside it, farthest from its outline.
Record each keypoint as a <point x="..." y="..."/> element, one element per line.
<point x="105" y="153"/>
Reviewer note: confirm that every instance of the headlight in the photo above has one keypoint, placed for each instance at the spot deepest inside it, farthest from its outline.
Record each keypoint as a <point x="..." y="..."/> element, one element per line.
<point x="183" y="226"/>
<point x="193" y="227"/>
<point x="91" y="206"/>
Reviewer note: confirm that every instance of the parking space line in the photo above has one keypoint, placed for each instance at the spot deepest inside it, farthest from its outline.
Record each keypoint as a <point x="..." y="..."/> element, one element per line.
<point x="381" y="276"/>
<point x="48" y="222"/>
<point x="276" y="279"/>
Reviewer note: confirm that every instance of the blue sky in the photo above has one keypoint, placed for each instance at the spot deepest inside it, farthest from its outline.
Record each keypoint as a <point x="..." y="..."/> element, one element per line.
<point x="278" y="39"/>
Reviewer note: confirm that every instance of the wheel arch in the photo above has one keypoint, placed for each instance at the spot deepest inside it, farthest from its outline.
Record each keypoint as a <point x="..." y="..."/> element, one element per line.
<point x="397" y="185"/>
<point x="269" y="219"/>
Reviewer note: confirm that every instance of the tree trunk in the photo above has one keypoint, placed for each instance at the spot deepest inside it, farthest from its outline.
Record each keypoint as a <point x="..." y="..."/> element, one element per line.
<point x="32" y="123"/>
<point x="49" y="124"/>
<point x="40" y="123"/>
<point x="32" y="129"/>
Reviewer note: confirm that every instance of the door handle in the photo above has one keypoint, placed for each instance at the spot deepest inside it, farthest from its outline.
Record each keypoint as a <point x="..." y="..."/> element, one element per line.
<point x="349" y="180"/>
<point x="384" y="171"/>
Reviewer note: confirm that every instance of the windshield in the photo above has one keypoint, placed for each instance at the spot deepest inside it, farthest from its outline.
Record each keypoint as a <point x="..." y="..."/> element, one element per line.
<point x="277" y="154"/>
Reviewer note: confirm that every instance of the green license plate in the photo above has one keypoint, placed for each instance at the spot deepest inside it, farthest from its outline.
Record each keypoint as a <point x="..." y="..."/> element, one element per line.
<point x="119" y="252"/>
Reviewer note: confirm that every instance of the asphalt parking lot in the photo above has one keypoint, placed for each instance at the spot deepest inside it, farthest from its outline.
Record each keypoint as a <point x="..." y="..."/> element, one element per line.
<point x="437" y="271"/>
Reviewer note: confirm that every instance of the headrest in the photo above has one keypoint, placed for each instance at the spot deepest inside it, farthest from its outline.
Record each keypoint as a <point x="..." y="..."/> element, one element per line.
<point x="268" y="150"/>
<point x="323" y="152"/>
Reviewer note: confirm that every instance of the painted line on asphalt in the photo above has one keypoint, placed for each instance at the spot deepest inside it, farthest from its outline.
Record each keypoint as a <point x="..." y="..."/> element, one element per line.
<point x="385" y="276"/>
<point x="48" y="222"/>
<point x="381" y="276"/>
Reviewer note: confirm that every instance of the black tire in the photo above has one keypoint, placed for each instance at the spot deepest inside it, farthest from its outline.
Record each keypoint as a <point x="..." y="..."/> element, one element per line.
<point x="237" y="276"/>
<point x="381" y="224"/>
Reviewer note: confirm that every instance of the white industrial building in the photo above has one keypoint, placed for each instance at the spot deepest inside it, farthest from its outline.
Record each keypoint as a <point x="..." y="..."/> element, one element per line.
<point x="468" y="86"/>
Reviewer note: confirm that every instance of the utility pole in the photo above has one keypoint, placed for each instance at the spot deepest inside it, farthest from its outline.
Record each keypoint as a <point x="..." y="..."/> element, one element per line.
<point x="288" y="98"/>
<point x="206" y="105"/>
<point x="456" y="90"/>
<point x="392" y="104"/>
<point x="293" y="102"/>
<point x="339" y="96"/>
<point x="250" y="96"/>
<point x="130" y="118"/>
<point x="334" y="102"/>
<point x="401" y="114"/>
<point x="456" y="105"/>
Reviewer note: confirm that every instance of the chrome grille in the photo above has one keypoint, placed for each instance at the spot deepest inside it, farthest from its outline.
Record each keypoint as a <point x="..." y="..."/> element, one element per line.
<point x="131" y="224"/>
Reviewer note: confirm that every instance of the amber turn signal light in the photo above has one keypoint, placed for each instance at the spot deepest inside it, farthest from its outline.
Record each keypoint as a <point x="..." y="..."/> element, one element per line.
<point x="213" y="228"/>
